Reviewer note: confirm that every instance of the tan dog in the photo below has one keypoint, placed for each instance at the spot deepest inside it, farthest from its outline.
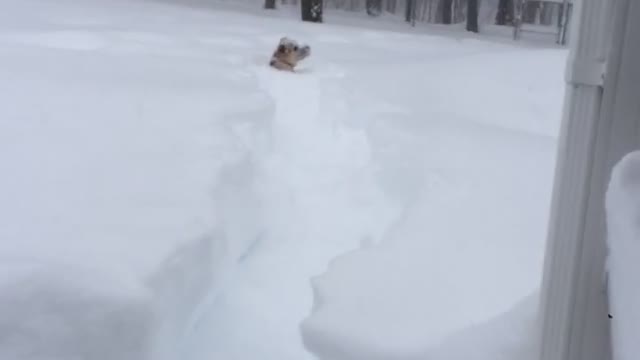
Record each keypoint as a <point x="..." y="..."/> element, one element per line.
<point x="288" y="54"/>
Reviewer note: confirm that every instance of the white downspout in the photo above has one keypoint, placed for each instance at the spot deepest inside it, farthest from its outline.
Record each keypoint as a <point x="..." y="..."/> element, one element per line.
<point x="595" y="132"/>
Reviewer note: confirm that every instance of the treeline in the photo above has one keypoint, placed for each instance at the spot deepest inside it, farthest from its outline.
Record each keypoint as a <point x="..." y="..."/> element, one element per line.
<point x="499" y="12"/>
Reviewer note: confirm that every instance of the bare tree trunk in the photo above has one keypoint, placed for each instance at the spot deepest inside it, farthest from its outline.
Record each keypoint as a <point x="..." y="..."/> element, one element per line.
<point x="311" y="10"/>
<point x="459" y="11"/>
<point x="391" y="6"/>
<point x="446" y="11"/>
<point x="546" y="14"/>
<point x="472" y="16"/>
<point x="505" y="12"/>
<point x="374" y="7"/>
<point x="269" y="4"/>
<point x="530" y="12"/>
<point x="424" y="11"/>
<point x="408" y="10"/>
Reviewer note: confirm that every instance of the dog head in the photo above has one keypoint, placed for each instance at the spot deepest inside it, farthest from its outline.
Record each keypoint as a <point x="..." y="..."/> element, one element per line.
<point x="290" y="52"/>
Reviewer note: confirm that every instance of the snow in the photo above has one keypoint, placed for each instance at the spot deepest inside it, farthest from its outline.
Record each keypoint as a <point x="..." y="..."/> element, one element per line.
<point x="59" y="312"/>
<point x="355" y="160"/>
<point x="511" y="335"/>
<point x="111" y="141"/>
<point x="169" y="193"/>
<point x="623" y="224"/>
<point x="444" y="276"/>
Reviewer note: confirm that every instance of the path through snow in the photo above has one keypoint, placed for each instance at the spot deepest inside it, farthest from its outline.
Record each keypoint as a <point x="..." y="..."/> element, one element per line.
<point x="350" y="142"/>
<point x="318" y="200"/>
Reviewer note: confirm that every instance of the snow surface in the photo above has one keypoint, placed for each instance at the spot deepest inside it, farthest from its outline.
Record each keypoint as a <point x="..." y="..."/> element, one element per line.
<point x="395" y="147"/>
<point x="112" y="138"/>
<point x="512" y="335"/>
<point x="623" y="224"/>
<point x="166" y="191"/>
<point x="469" y="245"/>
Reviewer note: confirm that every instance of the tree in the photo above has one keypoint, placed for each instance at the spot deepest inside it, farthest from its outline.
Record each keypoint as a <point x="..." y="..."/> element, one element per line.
<point x="391" y="6"/>
<point x="530" y="12"/>
<point x="472" y="16"/>
<point x="269" y="4"/>
<point x="409" y="10"/>
<point x="506" y="12"/>
<point x="311" y="10"/>
<point x="374" y="7"/>
<point x="446" y="11"/>
<point x="546" y="13"/>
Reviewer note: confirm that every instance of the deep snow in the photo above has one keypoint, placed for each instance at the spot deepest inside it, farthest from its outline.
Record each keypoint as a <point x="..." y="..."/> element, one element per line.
<point x="468" y="246"/>
<point x="111" y="140"/>
<point x="163" y="180"/>
<point x="437" y="139"/>
<point x="623" y="226"/>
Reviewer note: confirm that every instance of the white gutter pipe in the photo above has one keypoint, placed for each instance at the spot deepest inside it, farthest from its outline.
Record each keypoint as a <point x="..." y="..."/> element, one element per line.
<point x="600" y="125"/>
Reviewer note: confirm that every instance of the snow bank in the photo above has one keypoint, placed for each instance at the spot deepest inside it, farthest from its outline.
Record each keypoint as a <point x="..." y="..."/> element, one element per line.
<point x="119" y="128"/>
<point x="66" y="312"/>
<point x="623" y="224"/>
<point x="509" y="336"/>
<point x="461" y="255"/>
<point x="470" y="243"/>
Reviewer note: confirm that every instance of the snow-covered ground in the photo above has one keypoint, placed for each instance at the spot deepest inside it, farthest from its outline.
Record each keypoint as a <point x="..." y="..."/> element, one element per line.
<point x="159" y="178"/>
<point x="113" y="131"/>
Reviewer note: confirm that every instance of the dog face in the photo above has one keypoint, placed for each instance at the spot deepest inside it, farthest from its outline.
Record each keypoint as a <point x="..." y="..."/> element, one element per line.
<point x="289" y="52"/>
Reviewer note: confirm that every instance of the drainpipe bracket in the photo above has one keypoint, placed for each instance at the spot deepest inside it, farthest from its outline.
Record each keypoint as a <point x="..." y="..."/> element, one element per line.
<point x="586" y="72"/>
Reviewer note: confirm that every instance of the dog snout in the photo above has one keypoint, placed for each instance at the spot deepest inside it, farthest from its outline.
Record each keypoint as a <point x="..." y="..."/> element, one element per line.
<point x="304" y="51"/>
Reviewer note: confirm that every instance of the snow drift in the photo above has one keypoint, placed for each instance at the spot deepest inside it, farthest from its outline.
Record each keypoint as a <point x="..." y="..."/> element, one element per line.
<point x="113" y="146"/>
<point x="623" y="224"/>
